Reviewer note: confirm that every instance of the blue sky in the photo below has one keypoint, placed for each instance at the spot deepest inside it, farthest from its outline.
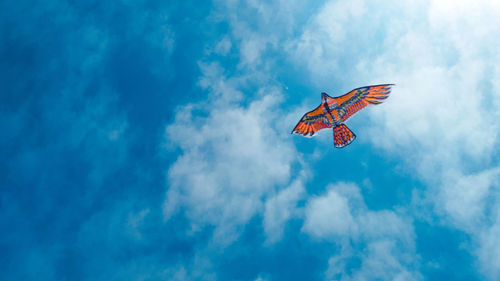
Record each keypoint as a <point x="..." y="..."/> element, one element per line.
<point x="150" y="140"/>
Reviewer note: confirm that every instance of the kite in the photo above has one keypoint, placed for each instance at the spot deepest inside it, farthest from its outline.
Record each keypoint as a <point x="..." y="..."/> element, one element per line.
<point x="333" y="112"/>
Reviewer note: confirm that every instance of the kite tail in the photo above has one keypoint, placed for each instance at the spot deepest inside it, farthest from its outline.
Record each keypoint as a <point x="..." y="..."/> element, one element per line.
<point x="342" y="136"/>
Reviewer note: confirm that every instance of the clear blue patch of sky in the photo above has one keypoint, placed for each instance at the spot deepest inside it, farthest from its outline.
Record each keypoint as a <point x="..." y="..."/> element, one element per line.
<point x="444" y="253"/>
<point x="295" y="257"/>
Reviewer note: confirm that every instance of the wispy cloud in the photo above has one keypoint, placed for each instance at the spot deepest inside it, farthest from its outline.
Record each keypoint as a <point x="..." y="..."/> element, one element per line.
<point x="69" y="133"/>
<point x="232" y="156"/>
<point x="282" y="207"/>
<point x="382" y="241"/>
<point x="440" y="118"/>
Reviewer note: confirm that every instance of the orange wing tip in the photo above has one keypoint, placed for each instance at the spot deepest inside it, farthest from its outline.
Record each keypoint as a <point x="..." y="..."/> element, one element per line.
<point x="306" y="133"/>
<point x="309" y="130"/>
<point x="378" y="94"/>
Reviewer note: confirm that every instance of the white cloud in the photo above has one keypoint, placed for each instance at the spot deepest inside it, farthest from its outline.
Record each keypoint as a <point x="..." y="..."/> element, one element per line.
<point x="489" y="248"/>
<point x="236" y="160"/>
<point x="259" y="26"/>
<point x="251" y="49"/>
<point x="326" y="37"/>
<point x="441" y="118"/>
<point x="382" y="260"/>
<point x="232" y="157"/>
<point x="329" y="216"/>
<point x="384" y="241"/>
<point x="280" y="208"/>
<point x="466" y="198"/>
<point x="136" y="221"/>
<point x="199" y="268"/>
<point x="449" y="119"/>
<point x="223" y="46"/>
<point x="442" y="115"/>
<point x="235" y="163"/>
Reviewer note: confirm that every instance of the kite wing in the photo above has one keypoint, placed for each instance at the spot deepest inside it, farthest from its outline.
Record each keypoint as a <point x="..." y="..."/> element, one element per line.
<point x="359" y="98"/>
<point x="312" y="122"/>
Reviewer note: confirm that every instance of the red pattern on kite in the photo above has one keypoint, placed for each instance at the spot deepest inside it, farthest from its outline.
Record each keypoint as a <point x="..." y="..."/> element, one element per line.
<point x="333" y="112"/>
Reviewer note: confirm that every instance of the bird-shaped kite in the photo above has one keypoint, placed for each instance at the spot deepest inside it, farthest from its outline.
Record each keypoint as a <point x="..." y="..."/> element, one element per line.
<point x="333" y="112"/>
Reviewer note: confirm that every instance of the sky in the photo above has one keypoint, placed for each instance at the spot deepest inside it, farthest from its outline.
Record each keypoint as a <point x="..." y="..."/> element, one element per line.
<point x="150" y="140"/>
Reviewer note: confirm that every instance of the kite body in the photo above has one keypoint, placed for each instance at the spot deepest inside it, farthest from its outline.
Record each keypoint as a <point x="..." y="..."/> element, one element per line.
<point x="333" y="112"/>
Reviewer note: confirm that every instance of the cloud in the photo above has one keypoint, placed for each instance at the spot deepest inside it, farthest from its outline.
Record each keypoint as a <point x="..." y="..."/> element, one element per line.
<point x="223" y="46"/>
<point x="329" y="216"/>
<point x="383" y="242"/>
<point x="281" y="207"/>
<point x="259" y="28"/>
<point x="70" y="135"/>
<point x="444" y="111"/>
<point x="489" y="248"/>
<point x="232" y="156"/>
<point x="440" y="118"/>
<point x="199" y="268"/>
<point x="339" y="36"/>
<point x="439" y="102"/>
<point x="468" y="198"/>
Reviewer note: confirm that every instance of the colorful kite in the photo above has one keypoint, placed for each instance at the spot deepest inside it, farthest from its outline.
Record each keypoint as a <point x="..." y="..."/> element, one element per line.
<point x="333" y="112"/>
